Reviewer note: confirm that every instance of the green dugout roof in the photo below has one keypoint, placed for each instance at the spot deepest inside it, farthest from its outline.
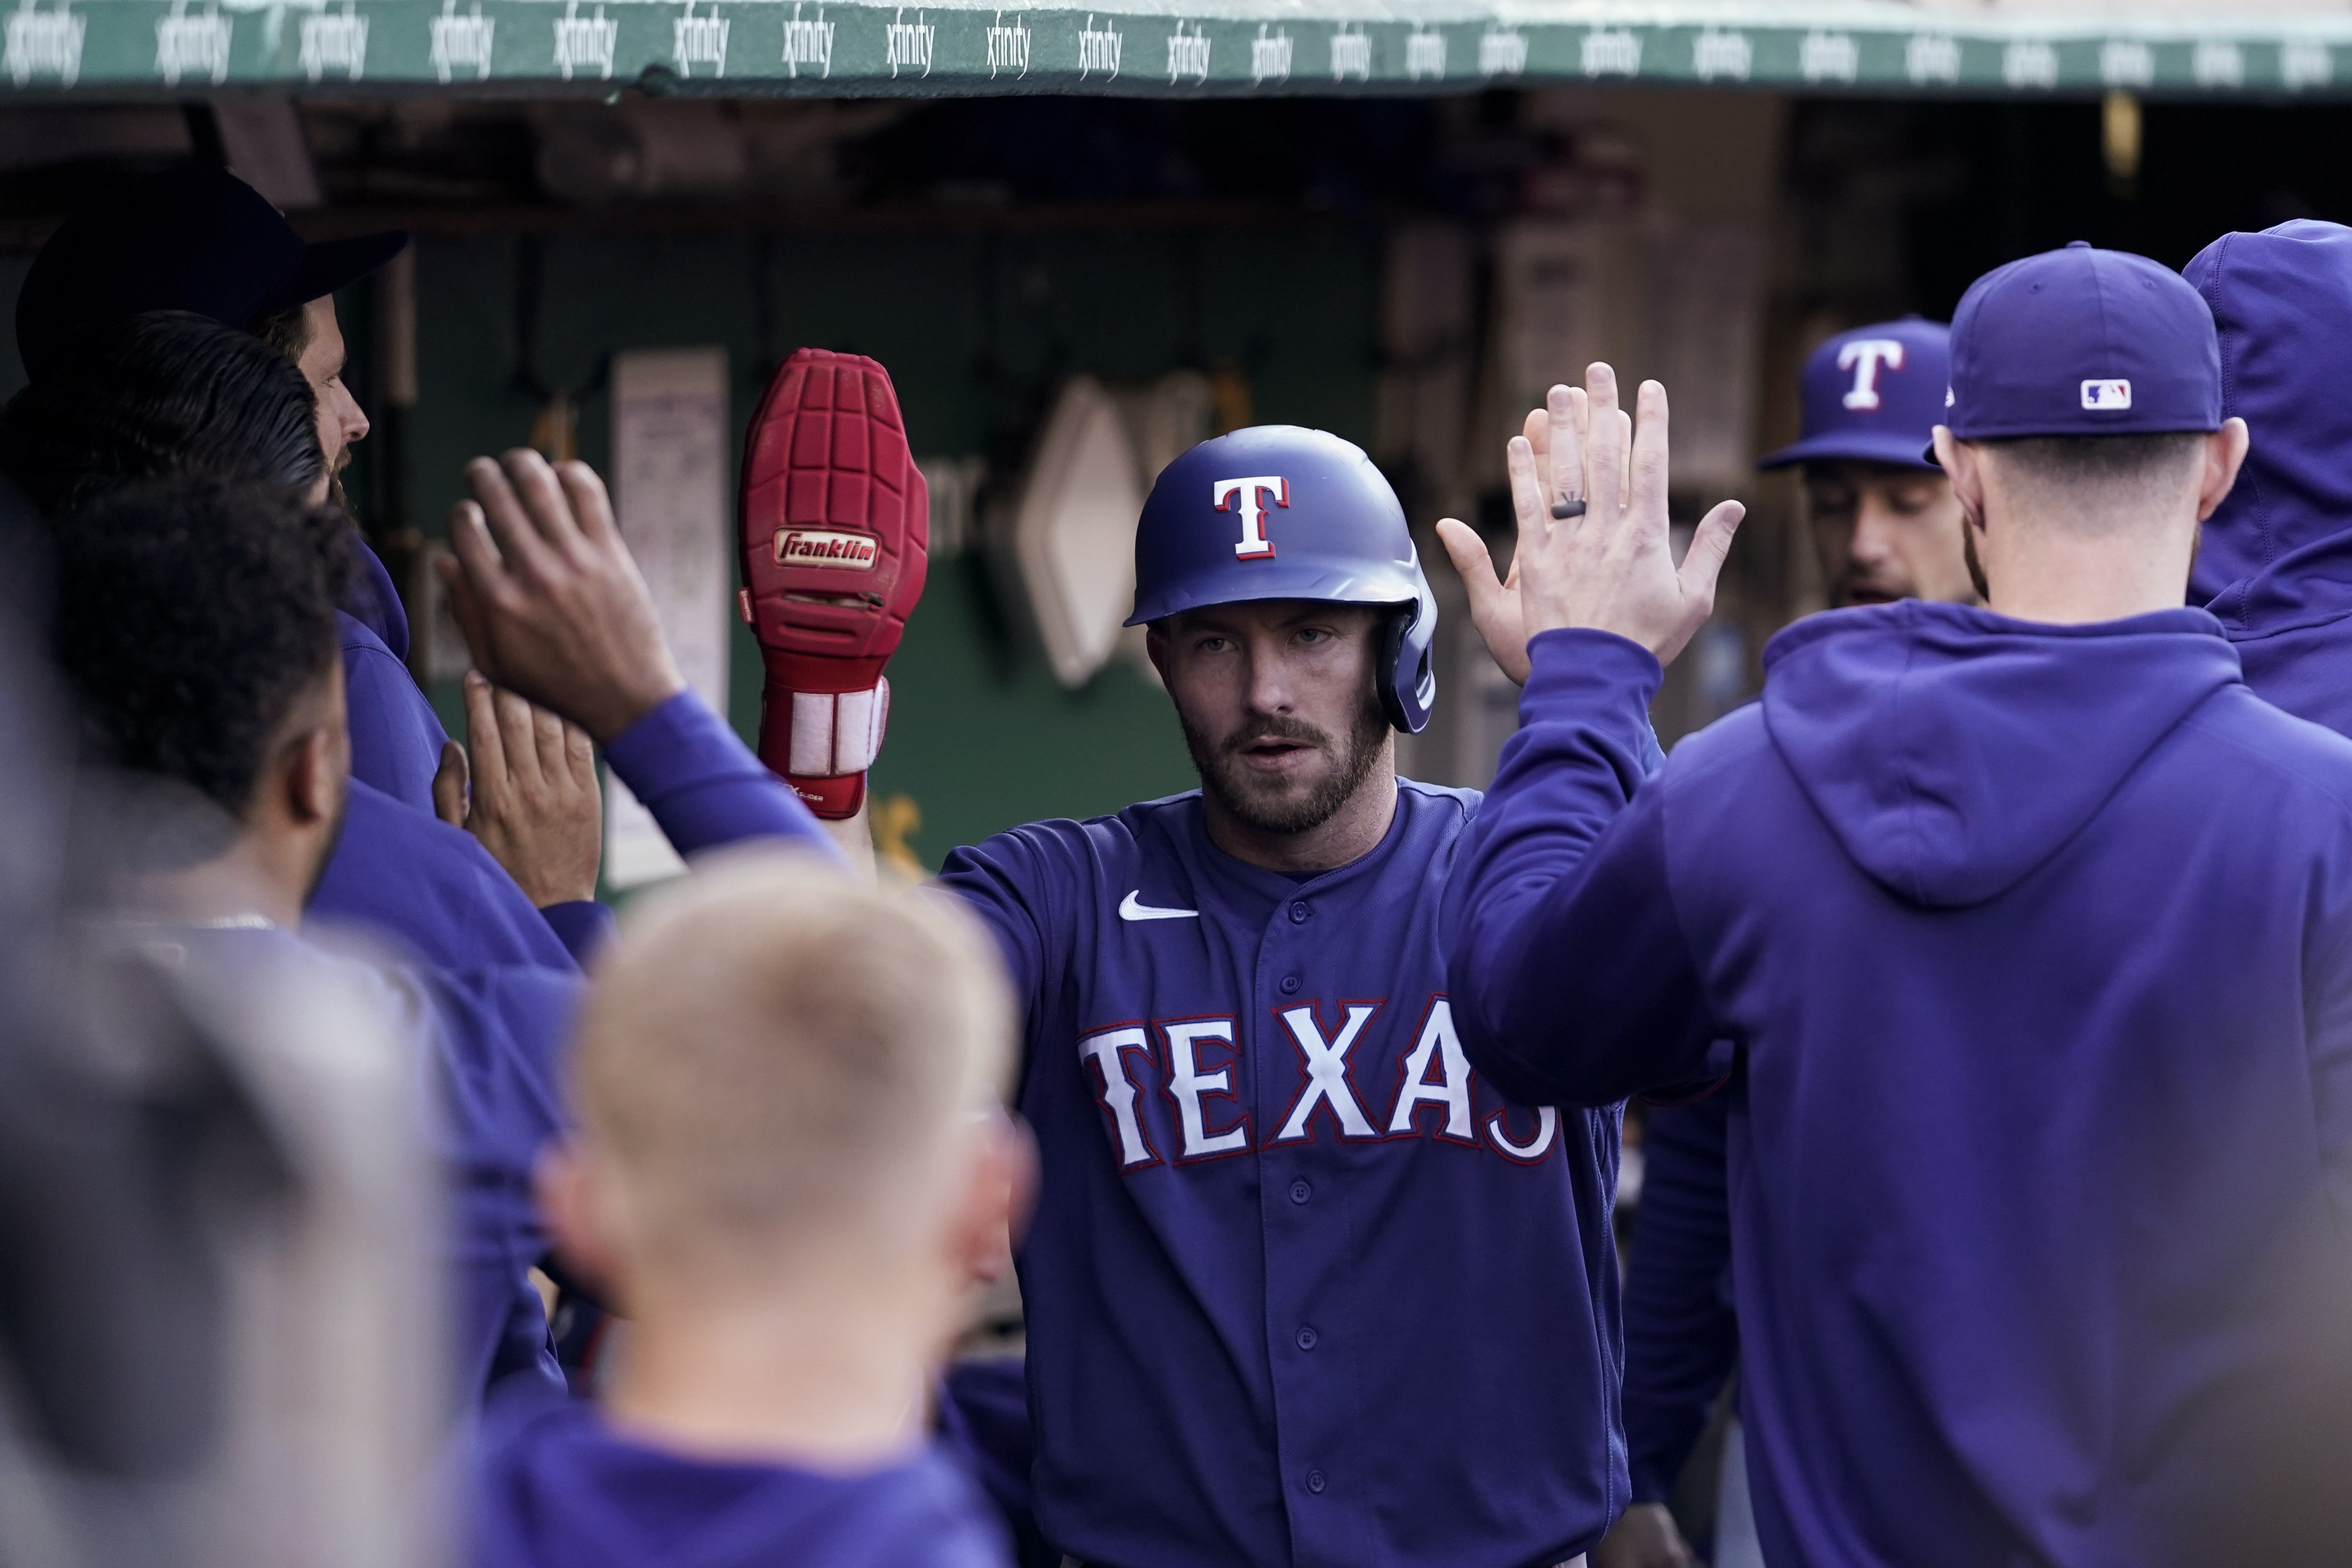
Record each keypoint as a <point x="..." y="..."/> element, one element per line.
<point x="811" y="47"/>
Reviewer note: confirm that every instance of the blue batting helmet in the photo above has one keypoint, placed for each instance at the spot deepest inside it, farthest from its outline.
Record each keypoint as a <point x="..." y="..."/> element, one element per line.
<point x="1276" y="511"/>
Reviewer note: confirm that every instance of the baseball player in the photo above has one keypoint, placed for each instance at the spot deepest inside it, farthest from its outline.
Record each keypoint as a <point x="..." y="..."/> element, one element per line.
<point x="2275" y="562"/>
<point x="200" y="243"/>
<point x="1302" y="1287"/>
<point x="1886" y="527"/>
<point x="1883" y="521"/>
<point x="2027" y="928"/>
<point x="196" y="238"/>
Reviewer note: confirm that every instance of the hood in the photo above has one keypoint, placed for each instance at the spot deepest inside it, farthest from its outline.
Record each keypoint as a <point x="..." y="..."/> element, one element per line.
<point x="372" y="600"/>
<point x="1951" y="750"/>
<point x="2277" y="553"/>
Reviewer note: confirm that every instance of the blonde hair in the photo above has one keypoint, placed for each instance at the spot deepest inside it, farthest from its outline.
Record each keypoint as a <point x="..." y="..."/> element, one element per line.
<point x="770" y="1052"/>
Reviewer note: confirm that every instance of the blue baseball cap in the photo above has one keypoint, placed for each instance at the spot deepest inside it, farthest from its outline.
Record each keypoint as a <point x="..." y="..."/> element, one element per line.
<point x="2083" y="342"/>
<point x="1873" y="395"/>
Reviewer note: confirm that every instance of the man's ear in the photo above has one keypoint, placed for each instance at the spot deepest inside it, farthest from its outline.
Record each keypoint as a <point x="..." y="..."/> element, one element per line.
<point x="1155" y="647"/>
<point x="2225" y="454"/>
<point x="313" y="788"/>
<point x="1964" y="467"/>
<point x="571" y="1203"/>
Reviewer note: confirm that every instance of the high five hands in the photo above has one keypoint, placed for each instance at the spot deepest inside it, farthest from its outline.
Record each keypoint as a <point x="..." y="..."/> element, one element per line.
<point x="550" y="601"/>
<point x="528" y="791"/>
<point x="567" y="647"/>
<point x="1606" y="565"/>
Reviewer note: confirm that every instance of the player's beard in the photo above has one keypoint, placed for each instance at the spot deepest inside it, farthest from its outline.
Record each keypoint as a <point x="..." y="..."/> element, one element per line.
<point x="1271" y="807"/>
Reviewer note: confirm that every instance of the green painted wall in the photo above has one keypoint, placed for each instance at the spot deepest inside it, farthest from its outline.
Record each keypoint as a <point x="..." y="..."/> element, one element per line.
<point x="977" y="326"/>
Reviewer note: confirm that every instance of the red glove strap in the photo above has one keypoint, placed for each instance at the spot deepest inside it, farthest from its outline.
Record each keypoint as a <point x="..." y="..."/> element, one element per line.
<point x="834" y="799"/>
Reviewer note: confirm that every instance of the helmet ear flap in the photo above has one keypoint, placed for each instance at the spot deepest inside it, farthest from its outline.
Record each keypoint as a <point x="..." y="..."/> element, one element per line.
<point x="1408" y="664"/>
<point x="1391" y="667"/>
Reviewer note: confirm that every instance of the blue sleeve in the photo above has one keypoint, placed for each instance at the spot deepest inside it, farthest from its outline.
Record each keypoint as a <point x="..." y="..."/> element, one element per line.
<point x="396" y="735"/>
<point x="703" y="784"/>
<point x="581" y="925"/>
<point x="500" y="1045"/>
<point x="1682" y="1337"/>
<point x="1581" y="989"/>
<point x="430" y="889"/>
<point x="1009" y="882"/>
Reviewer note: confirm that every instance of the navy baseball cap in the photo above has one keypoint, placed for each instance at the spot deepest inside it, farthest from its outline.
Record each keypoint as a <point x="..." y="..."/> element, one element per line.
<point x="192" y="237"/>
<point x="1873" y="395"/>
<point x="2083" y="342"/>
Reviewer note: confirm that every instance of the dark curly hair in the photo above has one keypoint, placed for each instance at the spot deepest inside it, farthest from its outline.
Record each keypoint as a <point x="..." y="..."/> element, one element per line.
<point x="162" y="393"/>
<point x="190" y="615"/>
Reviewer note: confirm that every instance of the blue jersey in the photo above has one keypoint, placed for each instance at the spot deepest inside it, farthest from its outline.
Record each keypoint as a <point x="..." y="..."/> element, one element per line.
<point x="1302" y="1287"/>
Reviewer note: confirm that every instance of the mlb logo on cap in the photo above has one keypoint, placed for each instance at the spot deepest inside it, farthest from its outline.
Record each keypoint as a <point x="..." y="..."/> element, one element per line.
<point x="2083" y="342"/>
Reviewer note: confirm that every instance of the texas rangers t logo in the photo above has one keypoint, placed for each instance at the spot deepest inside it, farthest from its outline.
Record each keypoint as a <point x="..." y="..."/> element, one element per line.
<point x="1863" y="356"/>
<point x="1254" y="545"/>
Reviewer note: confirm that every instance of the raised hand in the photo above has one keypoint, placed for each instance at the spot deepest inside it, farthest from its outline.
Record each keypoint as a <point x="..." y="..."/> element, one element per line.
<point x="1495" y="603"/>
<point x="1593" y="534"/>
<point x="534" y="799"/>
<point x="550" y="602"/>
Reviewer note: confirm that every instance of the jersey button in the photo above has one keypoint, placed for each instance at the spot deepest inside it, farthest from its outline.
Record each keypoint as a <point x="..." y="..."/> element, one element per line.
<point x="1306" y="1339"/>
<point x="1300" y="912"/>
<point x="1290" y="986"/>
<point x="1300" y="1192"/>
<point x="1315" y="1482"/>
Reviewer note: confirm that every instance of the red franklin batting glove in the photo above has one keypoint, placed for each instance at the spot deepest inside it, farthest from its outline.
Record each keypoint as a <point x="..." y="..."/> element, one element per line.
<point x="836" y="530"/>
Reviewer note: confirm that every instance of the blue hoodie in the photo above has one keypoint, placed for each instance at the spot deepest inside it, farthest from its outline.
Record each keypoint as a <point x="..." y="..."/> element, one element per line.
<point x="489" y="1042"/>
<point x="2035" y="945"/>
<point x="555" y="1487"/>
<point x="1682" y="1336"/>
<point x="395" y="736"/>
<point x="396" y="866"/>
<point x="2275" y="565"/>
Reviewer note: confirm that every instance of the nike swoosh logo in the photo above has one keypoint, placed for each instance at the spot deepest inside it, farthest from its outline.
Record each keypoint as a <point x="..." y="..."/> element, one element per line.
<point x="1131" y="908"/>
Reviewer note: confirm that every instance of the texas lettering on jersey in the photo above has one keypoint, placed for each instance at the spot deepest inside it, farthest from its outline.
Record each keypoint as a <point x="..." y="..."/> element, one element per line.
<point x="1197" y="1113"/>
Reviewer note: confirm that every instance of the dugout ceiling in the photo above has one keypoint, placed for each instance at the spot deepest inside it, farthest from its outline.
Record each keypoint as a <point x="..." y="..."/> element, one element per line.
<point x="816" y="48"/>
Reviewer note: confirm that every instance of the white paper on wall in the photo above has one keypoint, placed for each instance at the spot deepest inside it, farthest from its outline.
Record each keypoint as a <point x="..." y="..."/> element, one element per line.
<point x="671" y="489"/>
